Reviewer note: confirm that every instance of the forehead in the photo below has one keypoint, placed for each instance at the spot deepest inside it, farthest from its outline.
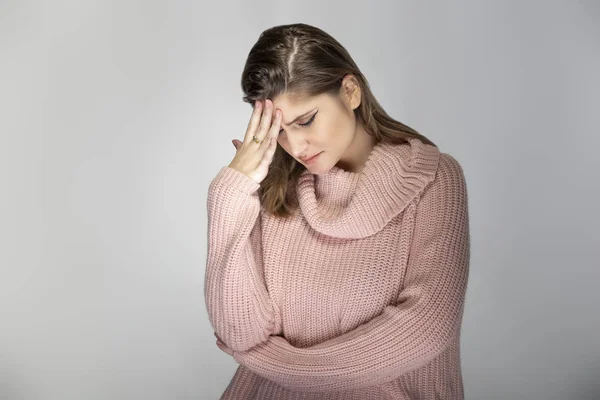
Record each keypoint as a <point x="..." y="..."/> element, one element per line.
<point x="294" y="104"/>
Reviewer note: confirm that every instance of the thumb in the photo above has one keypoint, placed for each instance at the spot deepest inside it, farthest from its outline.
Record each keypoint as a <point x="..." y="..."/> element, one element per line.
<point x="236" y="143"/>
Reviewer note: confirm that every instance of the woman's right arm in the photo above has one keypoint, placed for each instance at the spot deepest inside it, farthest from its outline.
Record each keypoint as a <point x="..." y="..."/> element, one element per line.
<point x="239" y="307"/>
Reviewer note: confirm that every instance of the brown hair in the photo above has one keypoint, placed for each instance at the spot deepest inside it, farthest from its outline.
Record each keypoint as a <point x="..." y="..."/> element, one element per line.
<point x="304" y="60"/>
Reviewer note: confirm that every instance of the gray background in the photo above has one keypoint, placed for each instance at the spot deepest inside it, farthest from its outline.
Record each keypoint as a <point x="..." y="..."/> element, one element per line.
<point x="115" y="116"/>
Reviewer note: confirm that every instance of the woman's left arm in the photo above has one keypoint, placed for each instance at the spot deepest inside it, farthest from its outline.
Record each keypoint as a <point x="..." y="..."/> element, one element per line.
<point x="405" y="336"/>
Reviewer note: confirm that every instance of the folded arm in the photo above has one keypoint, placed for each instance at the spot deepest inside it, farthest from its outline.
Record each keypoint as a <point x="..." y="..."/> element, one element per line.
<point x="238" y="304"/>
<point x="404" y="336"/>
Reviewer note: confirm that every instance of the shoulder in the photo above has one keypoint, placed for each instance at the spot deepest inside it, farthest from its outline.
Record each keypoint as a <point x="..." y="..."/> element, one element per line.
<point x="450" y="171"/>
<point x="442" y="211"/>
<point x="448" y="188"/>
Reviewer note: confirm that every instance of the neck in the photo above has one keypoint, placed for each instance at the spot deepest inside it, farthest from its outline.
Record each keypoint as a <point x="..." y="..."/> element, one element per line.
<point x="356" y="155"/>
<point x="355" y="205"/>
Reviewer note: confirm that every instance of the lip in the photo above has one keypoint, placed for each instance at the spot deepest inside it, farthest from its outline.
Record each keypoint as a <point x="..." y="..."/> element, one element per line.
<point x="312" y="159"/>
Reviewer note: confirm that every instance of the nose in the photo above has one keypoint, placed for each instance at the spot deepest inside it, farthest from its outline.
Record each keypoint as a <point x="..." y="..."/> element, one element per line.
<point x="298" y="145"/>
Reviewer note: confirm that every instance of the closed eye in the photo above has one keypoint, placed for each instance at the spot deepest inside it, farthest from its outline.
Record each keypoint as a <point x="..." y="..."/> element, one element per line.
<point x="307" y="123"/>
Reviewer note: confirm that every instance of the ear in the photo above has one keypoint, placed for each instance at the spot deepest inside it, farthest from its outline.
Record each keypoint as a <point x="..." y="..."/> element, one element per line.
<point x="352" y="91"/>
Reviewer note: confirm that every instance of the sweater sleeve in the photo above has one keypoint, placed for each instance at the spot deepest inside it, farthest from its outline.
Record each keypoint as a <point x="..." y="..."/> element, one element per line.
<point x="239" y="307"/>
<point x="405" y="336"/>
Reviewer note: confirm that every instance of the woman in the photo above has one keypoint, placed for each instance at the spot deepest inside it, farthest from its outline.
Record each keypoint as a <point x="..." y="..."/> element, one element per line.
<point x="338" y="242"/>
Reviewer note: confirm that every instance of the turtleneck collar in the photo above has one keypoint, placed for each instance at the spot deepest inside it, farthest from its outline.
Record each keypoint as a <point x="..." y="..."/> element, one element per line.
<point x="355" y="205"/>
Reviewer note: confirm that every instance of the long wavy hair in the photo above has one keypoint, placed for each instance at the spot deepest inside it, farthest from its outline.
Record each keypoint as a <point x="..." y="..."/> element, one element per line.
<point x="303" y="60"/>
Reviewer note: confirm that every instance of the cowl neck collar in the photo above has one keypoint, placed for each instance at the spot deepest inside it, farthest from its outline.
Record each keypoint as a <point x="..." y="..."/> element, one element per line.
<point x="354" y="205"/>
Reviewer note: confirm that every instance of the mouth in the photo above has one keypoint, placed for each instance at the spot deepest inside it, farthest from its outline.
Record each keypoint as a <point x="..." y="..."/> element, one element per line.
<point x="311" y="159"/>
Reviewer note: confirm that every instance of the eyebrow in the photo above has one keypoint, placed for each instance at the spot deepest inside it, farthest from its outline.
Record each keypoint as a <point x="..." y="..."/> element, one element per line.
<point x="299" y="116"/>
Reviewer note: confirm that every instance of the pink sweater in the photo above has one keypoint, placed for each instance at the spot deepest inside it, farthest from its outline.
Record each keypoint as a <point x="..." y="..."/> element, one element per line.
<point x="359" y="296"/>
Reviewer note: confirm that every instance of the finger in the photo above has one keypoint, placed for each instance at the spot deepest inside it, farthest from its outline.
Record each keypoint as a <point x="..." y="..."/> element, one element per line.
<point x="267" y="157"/>
<point x="276" y="127"/>
<point x="269" y="144"/>
<point x="254" y="121"/>
<point x="265" y="121"/>
<point x="223" y="347"/>
<point x="273" y="132"/>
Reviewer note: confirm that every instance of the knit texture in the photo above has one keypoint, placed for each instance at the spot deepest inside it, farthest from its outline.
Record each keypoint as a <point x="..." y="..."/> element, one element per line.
<point x="360" y="295"/>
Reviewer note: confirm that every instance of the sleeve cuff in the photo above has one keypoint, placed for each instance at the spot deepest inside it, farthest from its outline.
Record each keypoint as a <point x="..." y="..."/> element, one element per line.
<point x="228" y="176"/>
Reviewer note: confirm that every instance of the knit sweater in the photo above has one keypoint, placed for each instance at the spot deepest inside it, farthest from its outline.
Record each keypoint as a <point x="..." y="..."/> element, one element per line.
<point x="360" y="295"/>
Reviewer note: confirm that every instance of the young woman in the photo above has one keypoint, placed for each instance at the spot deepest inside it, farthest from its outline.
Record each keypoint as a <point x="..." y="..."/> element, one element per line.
<point x="338" y="238"/>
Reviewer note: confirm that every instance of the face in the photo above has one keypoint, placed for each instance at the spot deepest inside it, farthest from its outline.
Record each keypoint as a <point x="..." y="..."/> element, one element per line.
<point x="326" y="127"/>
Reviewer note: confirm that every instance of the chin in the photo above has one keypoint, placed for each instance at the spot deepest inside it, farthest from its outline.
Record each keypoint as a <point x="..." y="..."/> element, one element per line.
<point x="318" y="169"/>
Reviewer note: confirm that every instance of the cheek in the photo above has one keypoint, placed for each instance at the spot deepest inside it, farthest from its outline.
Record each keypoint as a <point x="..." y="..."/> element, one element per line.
<point x="283" y="144"/>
